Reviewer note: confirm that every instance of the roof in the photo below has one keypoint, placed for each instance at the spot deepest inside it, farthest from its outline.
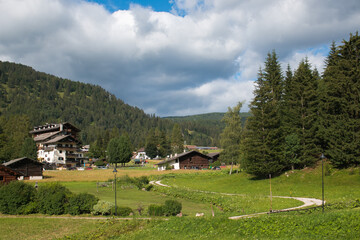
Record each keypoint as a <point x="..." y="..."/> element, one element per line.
<point x="9" y="170"/>
<point x="11" y="162"/>
<point x="213" y="154"/>
<point x="182" y="155"/>
<point x="141" y="150"/>
<point x="60" y="138"/>
<point x="52" y="127"/>
<point x="44" y="136"/>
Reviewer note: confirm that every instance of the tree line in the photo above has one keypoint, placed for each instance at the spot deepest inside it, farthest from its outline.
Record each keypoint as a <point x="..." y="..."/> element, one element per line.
<point x="297" y="116"/>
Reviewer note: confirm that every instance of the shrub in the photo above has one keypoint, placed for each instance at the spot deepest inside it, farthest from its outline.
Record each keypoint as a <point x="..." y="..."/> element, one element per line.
<point x="14" y="196"/>
<point x="30" y="208"/>
<point x="155" y="210"/>
<point x="121" y="211"/>
<point x="81" y="203"/>
<point x="99" y="163"/>
<point x="149" y="187"/>
<point x="172" y="207"/>
<point x="53" y="199"/>
<point x="140" y="182"/>
<point x="103" y="208"/>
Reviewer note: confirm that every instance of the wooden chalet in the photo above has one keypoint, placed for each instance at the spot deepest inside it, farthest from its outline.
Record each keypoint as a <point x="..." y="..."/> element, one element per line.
<point x="187" y="160"/>
<point x="7" y="174"/>
<point x="214" y="156"/>
<point x="26" y="167"/>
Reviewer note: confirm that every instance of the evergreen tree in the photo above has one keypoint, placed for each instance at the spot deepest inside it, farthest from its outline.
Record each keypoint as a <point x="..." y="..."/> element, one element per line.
<point x="231" y="136"/>
<point x="262" y="139"/>
<point x="151" y="144"/>
<point x="164" y="145"/>
<point x="340" y="104"/>
<point x="300" y="115"/>
<point x="177" y="140"/>
<point x="119" y="150"/>
<point x="29" y="149"/>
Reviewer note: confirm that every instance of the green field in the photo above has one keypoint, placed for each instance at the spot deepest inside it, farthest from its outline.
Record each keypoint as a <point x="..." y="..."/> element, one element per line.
<point x="202" y="191"/>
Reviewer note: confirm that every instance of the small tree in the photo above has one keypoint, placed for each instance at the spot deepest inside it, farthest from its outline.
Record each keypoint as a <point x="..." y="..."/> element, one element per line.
<point x="119" y="150"/>
<point x="14" y="196"/>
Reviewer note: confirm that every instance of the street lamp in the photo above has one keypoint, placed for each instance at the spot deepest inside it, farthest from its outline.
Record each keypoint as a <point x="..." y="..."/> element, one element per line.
<point x="322" y="179"/>
<point x="115" y="171"/>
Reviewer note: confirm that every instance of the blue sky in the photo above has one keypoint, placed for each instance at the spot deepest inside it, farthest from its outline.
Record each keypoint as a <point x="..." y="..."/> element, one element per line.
<point x="114" y="5"/>
<point x="176" y="58"/>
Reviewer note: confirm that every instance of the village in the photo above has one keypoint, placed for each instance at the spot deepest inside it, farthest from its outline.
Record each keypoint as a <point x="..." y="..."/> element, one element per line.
<point x="59" y="148"/>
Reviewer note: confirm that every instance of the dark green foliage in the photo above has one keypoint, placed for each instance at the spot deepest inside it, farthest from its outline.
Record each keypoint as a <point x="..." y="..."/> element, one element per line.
<point x="263" y="135"/>
<point x="119" y="150"/>
<point x="81" y="203"/>
<point x="231" y="135"/>
<point x="177" y="140"/>
<point x="156" y="210"/>
<point x="121" y="211"/>
<point x="339" y="129"/>
<point x="30" y="208"/>
<point x="99" y="163"/>
<point x="140" y="182"/>
<point x="15" y="196"/>
<point x="13" y="132"/>
<point x="29" y="149"/>
<point x="151" y="147"/>
<point x="53" y="199"/>
<point x="300" y="112"/>
<point x="172" y="207"/>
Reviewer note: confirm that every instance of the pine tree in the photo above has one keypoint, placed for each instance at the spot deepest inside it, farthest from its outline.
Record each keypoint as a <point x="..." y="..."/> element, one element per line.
<point x="231" y="136"/>
<point x="300" y="115"/>
<point x="151" y="144"/>
<point x="177" y="140"/>
<point x="29" y="149"/>
<point x="340" y="104"/>
<point x="262" y="139"/>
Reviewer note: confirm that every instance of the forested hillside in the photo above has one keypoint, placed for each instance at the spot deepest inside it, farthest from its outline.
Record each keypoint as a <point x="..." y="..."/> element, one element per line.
<point x="42" y="98"/>
<point x="204" y="128"/>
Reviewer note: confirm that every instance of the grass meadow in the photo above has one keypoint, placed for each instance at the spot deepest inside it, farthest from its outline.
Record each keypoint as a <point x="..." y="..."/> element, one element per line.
<point x="196" y="191"/>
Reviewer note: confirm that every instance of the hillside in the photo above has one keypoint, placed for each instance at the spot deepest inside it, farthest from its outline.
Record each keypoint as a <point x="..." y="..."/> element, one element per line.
<point x="45" y="98"/>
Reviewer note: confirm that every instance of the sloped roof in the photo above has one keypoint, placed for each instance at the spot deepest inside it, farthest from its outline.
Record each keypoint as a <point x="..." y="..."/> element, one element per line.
<point x="213" y="154"/>
<point x="61" y="138"/>
<point x="11" y="162"/>
<point x="182" y="155"/>
<point x="45" y="136"/>
<point x="9" y="170"/>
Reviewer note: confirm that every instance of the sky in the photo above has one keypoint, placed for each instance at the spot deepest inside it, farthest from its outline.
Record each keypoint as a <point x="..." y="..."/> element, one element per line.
<point x="172" y="57"/>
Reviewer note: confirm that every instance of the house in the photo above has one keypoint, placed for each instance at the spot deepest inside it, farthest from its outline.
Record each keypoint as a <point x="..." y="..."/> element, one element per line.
<point x="7" y="174"/>
<point x="187" y="160"/>
<point x="58" y="144"/>
<point x="141" y="155"/>
<point x="214" y="156"/>
<point x="27" y="168"/>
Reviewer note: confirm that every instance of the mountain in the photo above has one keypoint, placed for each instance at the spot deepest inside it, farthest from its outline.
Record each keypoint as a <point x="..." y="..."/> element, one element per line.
<point x="45" y="98"/>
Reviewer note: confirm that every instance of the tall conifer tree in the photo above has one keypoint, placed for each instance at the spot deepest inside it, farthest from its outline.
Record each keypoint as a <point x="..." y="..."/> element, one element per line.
<point x="340" y="104"/>
<point x="262" y="141"/>
<point x="300" y="104"/>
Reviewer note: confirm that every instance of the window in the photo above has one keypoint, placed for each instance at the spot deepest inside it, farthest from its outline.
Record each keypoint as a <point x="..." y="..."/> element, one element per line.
<point x="1" y="178"/>
<point x="60" y="151"/>
<point x="61" y="158"/>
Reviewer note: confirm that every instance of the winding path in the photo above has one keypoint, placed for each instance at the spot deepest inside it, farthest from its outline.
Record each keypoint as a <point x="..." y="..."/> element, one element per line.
<point x="307" y="202"/>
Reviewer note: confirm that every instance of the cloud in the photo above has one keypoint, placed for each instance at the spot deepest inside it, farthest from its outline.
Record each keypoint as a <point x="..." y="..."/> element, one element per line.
<point x="203" y="56"/>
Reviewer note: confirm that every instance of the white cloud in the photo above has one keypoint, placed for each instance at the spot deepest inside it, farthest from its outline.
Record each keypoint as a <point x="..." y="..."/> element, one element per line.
<point x="202" y="57"/>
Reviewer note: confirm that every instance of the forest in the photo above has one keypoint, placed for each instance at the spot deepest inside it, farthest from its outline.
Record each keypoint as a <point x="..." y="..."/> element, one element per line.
<point x="298" y="117"/>
<point x="30" y="98"/>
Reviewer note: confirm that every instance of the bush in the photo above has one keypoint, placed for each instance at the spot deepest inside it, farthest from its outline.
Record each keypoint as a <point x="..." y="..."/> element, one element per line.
<point x="30" y="208"/>
<point x="81" y="203"/>
<point x="121" y="211"/>
<point x="172" y="208"/>
<point x="140" y="182"/>
<point x="15" y="195"/>
<point x="53" y="199"/>
<point x="99" y="163"/>
<point x="149" y="187"/>
<point x="155" y="210"/>
<point x="102" y="208"/>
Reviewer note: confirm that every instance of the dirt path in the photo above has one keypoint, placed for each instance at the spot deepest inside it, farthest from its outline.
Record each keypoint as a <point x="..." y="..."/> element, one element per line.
<point x="307" y="201"/>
